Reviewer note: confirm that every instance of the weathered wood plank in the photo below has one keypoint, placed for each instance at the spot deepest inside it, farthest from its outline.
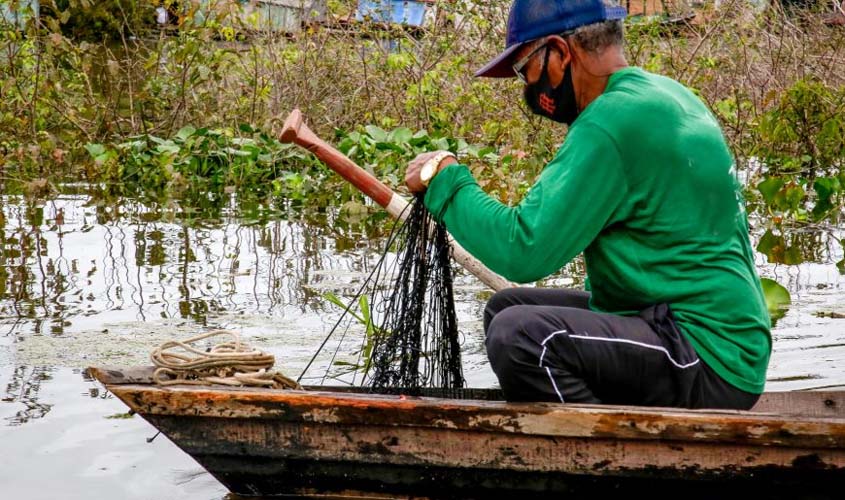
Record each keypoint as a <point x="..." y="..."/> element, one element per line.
<point x="427" y="447"/>
<point x="539" y="419"/>
<point x="804" y="403"/>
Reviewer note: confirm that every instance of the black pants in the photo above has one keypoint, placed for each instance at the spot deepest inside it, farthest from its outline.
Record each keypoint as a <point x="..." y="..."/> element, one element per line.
<point x="546" y="345"/>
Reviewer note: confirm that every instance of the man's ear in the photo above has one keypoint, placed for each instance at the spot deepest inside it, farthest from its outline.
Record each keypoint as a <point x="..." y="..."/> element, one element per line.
<point x="560" y="54"/>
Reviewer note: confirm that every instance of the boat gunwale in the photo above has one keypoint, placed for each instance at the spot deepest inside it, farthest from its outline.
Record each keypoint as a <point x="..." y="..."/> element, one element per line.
<point x="143" y="375"/>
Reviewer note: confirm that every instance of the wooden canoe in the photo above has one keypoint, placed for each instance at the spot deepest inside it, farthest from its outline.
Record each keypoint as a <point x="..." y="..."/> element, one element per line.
<point x="465" y="444"/>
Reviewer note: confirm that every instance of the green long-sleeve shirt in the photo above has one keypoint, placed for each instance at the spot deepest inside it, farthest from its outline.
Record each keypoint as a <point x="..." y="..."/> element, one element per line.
<point x="645" y="186"/>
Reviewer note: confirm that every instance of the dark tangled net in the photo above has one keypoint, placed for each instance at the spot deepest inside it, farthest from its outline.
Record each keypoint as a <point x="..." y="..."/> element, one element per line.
<point x="416" y="341"/>
<point x="420" y="324"/>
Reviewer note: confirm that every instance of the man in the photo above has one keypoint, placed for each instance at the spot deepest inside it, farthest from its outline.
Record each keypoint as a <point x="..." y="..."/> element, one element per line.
<point x="644" y="185"/>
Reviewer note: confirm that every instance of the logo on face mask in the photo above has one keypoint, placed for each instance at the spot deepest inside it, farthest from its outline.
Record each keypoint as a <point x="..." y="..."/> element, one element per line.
<point x="555" y="103"/>
<point x="547" y="103"/>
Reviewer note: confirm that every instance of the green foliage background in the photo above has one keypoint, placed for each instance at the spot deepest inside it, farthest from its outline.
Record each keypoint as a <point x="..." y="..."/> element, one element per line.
<point x="94" y="91"/>
<point x="100" y="20"/>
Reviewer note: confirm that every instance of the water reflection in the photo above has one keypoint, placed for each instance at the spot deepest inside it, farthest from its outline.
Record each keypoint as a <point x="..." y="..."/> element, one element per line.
<point x="22" y="388"/>
<point x="67" y="261"/>
<point x="81" y="450"/>
<point x="81" y="267"/>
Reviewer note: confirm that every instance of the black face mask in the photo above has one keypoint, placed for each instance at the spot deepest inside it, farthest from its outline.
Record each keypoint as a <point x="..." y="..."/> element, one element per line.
<point x="557" y="104"/>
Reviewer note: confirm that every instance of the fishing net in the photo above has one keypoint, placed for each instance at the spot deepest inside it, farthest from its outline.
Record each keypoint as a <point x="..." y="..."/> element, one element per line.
<point x="411" y="337"/>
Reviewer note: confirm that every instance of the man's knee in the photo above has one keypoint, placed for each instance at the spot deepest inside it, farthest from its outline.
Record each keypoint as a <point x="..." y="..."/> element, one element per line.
<point x="518" y="356"/>
<point x="511" y="341"/>
<point x="500" y="332"/>
<point x="524" y="335"/>
<point x="500" y="301"/>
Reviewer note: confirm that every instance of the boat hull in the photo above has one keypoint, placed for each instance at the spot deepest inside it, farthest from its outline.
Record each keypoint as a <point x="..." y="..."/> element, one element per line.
<point x="317" y="443"/>
<point x="272" y="458"/>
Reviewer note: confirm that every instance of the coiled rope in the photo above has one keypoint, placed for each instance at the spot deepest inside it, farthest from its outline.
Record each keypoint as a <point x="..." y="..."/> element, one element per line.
<point x="230" y="363"/>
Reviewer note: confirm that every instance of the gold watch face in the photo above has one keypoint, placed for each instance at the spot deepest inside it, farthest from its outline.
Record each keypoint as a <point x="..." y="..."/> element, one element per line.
<point x="427" y="171"/>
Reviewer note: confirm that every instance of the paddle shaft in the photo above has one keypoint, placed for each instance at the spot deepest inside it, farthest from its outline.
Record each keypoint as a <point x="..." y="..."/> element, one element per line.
<point x="296" y="131"/>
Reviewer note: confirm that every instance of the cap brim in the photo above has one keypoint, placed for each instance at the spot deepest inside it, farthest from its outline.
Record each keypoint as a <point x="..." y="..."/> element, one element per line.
<point x="502" y="65"/>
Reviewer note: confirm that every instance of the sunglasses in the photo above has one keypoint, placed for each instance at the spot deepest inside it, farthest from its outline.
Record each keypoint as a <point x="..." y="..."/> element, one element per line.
<point x="517" y="67"/>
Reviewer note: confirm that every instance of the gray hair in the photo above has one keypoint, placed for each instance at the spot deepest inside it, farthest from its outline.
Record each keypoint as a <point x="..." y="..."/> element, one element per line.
<point x="596" y="37"/>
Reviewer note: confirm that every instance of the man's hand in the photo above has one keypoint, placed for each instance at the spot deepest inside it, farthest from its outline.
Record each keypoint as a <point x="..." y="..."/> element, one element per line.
<point x="412" y="174"/>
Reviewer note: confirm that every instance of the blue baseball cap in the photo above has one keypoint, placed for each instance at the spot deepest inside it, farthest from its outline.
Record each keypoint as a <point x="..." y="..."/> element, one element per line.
<point x="533" y="19"/>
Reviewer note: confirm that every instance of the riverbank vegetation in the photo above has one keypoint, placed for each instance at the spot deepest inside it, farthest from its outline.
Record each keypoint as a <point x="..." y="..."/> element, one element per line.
<point x="194" y="108"/>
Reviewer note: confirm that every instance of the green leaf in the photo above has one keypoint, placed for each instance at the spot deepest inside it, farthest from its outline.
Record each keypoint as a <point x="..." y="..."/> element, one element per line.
<point x="346" y="363"/>
<point x="334" y="299"/>
<point x="353" y="207"/>
<point x="419" y="139"/>
<point x="794" y="197"/>
<point x="777" y="297"/>
<point x="121" y="415"/>
<point x="103" y="157"/>
<point x="185" y="132"/>
<point x="95" y="150"/>
<point x="385" y="146"/>
<point x="441" y="143"/>
<point x="487" y="150"/>
<point x="365" y="308"/>
<point x="376" y="133"/>
<point x="136" y="145"/>
<point x="400" y="136"/>
<point x="167" y="149"/>
<point x="793" y="256"/>
<point x="772" y="246"/>
<point x="825" y="188"/>
<point x="237" y="152"/>
<point x="770" y="187"/>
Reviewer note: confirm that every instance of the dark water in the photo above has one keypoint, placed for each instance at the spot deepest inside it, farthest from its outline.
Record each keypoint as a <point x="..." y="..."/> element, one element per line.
<point x="86" y="281"/>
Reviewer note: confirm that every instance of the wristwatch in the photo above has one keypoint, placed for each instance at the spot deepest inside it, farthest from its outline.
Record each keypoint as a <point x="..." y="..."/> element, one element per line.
<point x="430" y="168"/>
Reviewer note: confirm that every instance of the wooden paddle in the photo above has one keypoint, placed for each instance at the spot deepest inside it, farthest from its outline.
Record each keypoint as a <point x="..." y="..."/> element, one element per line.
<point x="296" y="131"/>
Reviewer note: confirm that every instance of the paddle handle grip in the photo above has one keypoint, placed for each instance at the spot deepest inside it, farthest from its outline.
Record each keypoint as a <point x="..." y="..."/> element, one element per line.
<point x="296" y="131"/>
